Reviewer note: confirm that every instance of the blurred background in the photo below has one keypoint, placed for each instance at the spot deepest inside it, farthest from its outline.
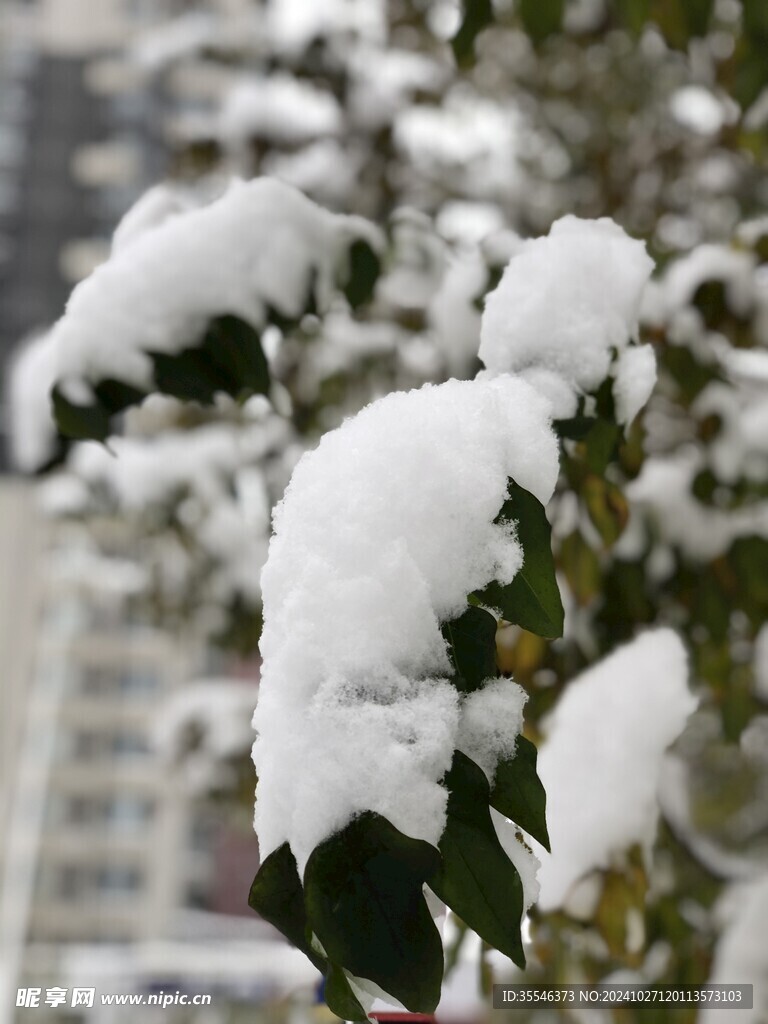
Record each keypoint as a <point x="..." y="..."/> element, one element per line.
<point x="129" y="598"/>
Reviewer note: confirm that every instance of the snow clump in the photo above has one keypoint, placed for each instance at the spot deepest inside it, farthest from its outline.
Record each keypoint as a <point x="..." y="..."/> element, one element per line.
<point x="383" y="531"/>
<point x="602" y="757"/>
<point x="567" y="304"/>
<point x="260" y="245"/>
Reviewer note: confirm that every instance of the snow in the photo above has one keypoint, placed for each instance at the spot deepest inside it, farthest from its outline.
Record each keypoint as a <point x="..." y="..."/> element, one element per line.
<point x="468" y="137"/>
<point x="675" y="799"/>
<point x="524" y="859"/>
<point x="662" y="493"/>
<point x="452" y="314"/>
<point x="741" y="955"/>
<point x="280" y="108"/>
<point x="261" y="244"/>
<point x="32" y="432"/>
<point x="740" y="448"/>
<point x="174" y="40"/>
<point x="203" y="726"/>
<point x="491" y="720"/>
<point x="294" y="24"/>
<point x="322" y="169"/>
<point x="696" y="108"/>
<point x="108" y="576"/>
<point x="150" y="210"/>
<point x="601" y="758"/>
<point x="468" y="222"/>
<point x="383" y="531"/>
<point x="383" y="81"/>
<point x="682" y="278"/>
<point x="218" y="481"/>
<point x="564" y="303"/>
<point x="634" y="380"/>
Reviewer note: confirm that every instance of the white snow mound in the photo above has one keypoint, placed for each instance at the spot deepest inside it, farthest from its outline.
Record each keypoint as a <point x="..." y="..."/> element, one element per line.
<point x="564" y="304"/>
<point x="383" y="531"/>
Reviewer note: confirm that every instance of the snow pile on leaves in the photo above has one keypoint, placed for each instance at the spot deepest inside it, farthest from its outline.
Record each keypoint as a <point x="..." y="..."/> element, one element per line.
<point x="261" y="246"/>
<point x="601" y="761"/>
<point x="565" y="311"/>
<point x="384" y="530"/>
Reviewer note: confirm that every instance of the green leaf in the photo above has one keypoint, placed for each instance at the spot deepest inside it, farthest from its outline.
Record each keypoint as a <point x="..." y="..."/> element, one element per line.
<point x="532" y="599"/>
<point x="478" y="14"/>
<point x="600" y="444"/>
<point x="189" y="376"/>
<point x="541" y="18"/>
<point x="364" y="270"/>
<point x="518" y="793"/>
<point x="116" y="395"/>
<point x="755" y="18"/>
<point x="339" y="996"/>
<point x="234" y="347"/>
<point x="472" y="640"/>
<point x="634" y="13"/>
<point x="575" y="428"/>
<point x="80" y="422"/>
<point x="607" y="507"/>
<point x="477" y="880"/>
<point x="364" y="900"/>
<point x="277" y="896"/>
<point x="229" y="359"/>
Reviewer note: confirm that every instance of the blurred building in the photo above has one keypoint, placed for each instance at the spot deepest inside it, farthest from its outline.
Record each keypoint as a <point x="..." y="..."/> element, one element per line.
<point x="105" y="860"/>
<point x="112" y="873"/>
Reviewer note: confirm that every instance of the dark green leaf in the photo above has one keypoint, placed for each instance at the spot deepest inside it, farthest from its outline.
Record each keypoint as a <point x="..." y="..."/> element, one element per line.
<point x="575" y="428"/>
<point x="518" y="793"/>
<point x="364" y="899"/>
<point x="472" y="640"/>
<point x="277" y="896"/>
<point x="229" y="359"/>
<point x="698" y="14"/>
<point x="477" y="880"/>
<point x="751" y="72"/>
<point x="116" y="395"/>
<point x="634" y="14"/>
<point x="541" y="18"/>
<point x="478" y="14"/>
<point x="600" y="444"/>
<point x="339" y="996"/>
<point x="80" y="422"/>
<point x="364" y="269"/>
<point x="189" y="376"/>
<point x="532" y="599"/>
<point x="234" y="347"/>
<point x="755" y="18"/>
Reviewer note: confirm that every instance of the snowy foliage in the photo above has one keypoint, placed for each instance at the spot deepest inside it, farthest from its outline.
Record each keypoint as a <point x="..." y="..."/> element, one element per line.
<point x="383" y="532"/>
<point x="261" y="246"/>
<point x="565" y="305"/>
